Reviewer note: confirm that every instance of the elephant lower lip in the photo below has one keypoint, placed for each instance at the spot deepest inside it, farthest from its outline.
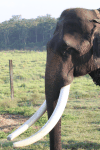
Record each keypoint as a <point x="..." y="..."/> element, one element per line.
<point x="56" y="115"/>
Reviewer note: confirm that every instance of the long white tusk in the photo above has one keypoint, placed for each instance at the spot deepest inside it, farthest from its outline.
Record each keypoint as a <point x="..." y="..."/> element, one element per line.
<point x="29" y="122"/>
<point x="56" y="115"/>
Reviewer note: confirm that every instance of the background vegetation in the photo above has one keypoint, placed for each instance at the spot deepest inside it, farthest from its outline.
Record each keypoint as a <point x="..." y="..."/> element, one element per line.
<point x="81" y="118"/>
<point x="18" y="33"/>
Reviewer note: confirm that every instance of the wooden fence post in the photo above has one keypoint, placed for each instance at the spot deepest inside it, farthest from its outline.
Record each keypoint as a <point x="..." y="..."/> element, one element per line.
<point x="11" y="78"/>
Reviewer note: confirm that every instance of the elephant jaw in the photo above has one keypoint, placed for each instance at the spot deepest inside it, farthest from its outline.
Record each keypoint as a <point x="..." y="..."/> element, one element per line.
<point x="56" y="115"/>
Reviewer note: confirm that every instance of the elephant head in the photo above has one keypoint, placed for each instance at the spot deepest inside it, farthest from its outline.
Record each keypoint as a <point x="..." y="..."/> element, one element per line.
<point x="74" y="50"/>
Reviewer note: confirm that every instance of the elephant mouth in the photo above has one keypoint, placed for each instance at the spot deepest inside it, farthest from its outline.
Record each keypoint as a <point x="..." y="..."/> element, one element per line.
<point x="56" y="115"/>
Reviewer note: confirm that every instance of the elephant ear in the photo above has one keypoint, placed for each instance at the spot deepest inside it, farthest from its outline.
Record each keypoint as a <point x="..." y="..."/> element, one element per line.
<point x="81" y="45"/>
<point x="96" y="47"/>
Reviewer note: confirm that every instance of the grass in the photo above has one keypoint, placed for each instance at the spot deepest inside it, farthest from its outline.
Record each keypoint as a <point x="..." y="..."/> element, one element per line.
<point x="28" y="76"/>
<point x="81" y="118"/>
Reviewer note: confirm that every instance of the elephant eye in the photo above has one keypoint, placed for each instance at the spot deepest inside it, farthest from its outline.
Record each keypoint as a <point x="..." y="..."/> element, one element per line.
<point x="68" y="51"/>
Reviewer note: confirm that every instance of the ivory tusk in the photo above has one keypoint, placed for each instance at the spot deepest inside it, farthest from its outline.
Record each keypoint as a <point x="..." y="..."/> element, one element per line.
<point x="29" y="122"/>
<point x="56" y="115"/>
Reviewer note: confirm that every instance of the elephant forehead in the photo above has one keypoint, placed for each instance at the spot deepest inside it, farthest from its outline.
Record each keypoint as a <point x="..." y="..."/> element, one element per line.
<point x="76" y="20"/>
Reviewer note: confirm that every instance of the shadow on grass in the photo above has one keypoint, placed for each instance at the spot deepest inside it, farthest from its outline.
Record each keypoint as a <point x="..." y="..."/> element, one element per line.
<point x="71" y="145"/>
<point x="75" y="145"/>
<point x="41" y="145"/>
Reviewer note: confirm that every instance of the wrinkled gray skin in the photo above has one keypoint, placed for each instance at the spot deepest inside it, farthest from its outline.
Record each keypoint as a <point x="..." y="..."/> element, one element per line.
<point x="74" y="50"/>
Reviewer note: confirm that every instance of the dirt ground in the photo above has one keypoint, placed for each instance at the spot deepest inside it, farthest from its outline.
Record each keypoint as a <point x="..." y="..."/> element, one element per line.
<point x="9" y="122"/>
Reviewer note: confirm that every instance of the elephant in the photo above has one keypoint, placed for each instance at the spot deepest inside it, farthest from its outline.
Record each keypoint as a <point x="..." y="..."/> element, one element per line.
<point x="73" y="51"/>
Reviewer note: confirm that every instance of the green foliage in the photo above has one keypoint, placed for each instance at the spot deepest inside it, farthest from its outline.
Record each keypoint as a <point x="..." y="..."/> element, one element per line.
<point x="3" y="135"/>
<point x="25" y="111"/>
<point x="41" y="121"/>
<point x="7" y="103"/>
<point x="87" y="89"/>
<point x="69" y="117"/>
<point x="18" y="33"/>
<point x="14" y="107"/>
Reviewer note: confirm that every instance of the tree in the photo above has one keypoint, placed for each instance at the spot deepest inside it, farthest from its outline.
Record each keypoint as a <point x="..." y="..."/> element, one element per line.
<point x="19" y="33"/>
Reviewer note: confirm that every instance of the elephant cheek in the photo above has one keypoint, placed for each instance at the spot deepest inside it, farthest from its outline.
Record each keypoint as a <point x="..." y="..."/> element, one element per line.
<point x="67" y="73"/>
<point x="67" y="78"/>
